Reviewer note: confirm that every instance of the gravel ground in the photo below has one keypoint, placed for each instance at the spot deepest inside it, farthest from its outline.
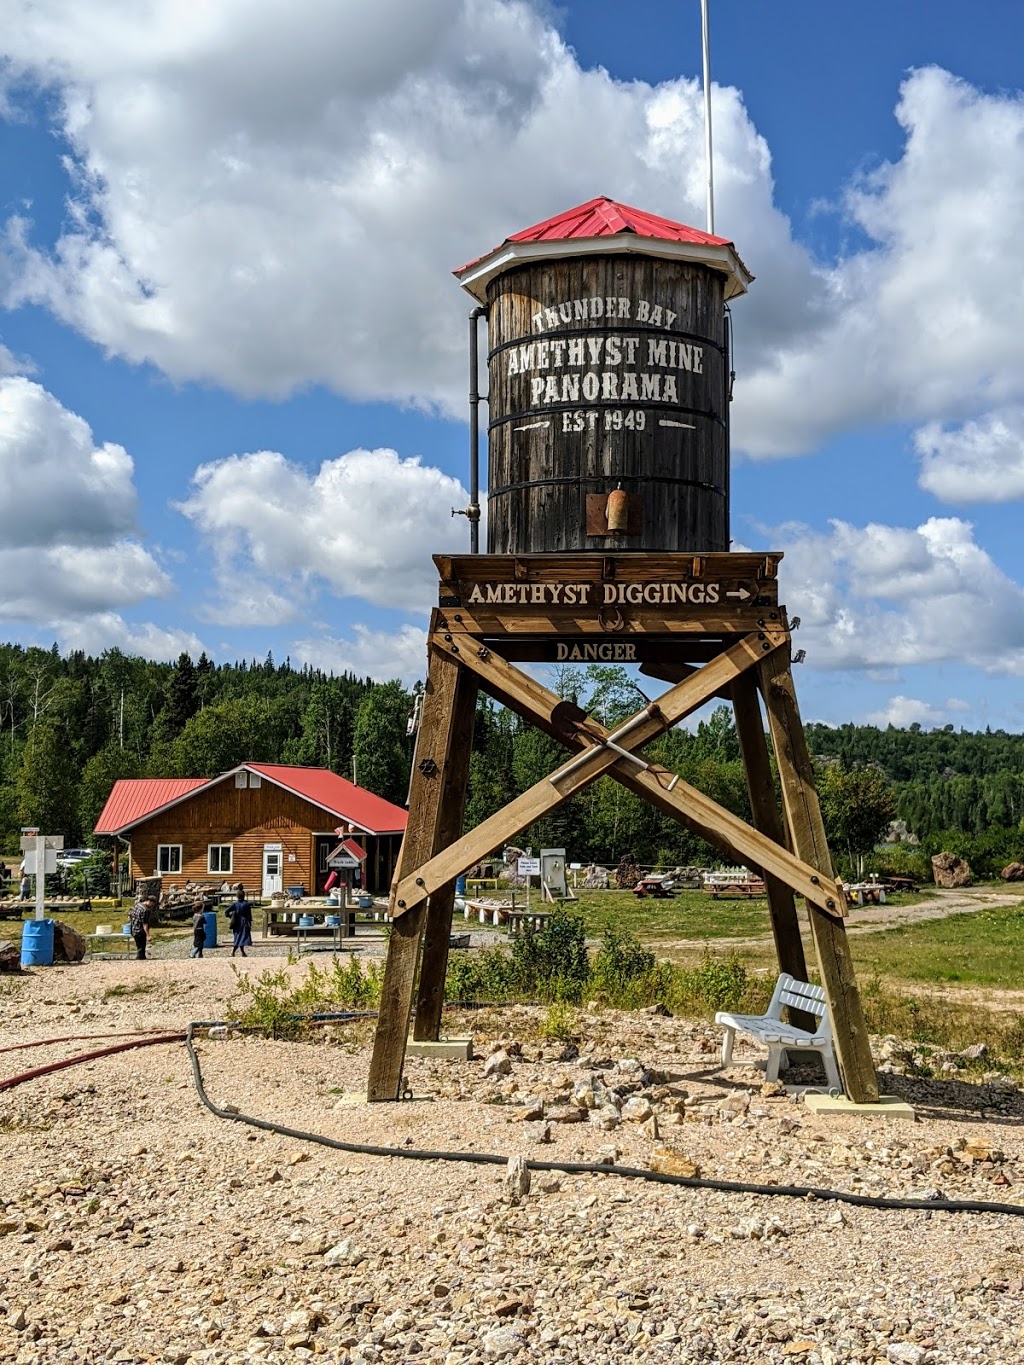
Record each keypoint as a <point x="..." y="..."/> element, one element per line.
<point x="137" y="1226"/>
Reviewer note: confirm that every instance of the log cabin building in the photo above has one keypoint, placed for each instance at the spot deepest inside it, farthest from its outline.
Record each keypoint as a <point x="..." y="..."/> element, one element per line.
<point x="270" y="826"/>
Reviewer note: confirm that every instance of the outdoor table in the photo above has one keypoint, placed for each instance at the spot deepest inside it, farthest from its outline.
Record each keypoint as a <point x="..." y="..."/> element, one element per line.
<point x="337" y="932"/>
<point x="94" y="944"/>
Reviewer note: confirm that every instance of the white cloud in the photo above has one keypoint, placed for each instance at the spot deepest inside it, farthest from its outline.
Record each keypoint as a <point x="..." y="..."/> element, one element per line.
<point x="924" y="322"/>
<point x="46" y="585"/>
<point x="979" y="461"/>
<point x="269" y="197"/>
<point x="54" y="481"/>
<point x="67" y="507"/>
<point x="365" y="524"/>
<point x="108" y="630"/>
<point x="877" y="596"/>
<point x="379" y="654"/>
<point x="902" y="712"/>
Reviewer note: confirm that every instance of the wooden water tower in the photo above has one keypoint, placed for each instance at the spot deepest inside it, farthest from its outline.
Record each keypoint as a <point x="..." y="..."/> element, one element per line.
<point x="608" y="540"/>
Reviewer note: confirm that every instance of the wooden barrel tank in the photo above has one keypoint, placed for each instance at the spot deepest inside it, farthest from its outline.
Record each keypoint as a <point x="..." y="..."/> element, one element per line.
<point x="608" y="396"/>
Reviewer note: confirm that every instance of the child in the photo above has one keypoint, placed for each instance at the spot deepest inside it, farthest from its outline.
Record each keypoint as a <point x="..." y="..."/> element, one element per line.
<point x="198" y="929"/>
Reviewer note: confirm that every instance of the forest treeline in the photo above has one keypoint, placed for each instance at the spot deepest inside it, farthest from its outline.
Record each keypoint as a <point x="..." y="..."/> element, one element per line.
<point x="70" y="725"/>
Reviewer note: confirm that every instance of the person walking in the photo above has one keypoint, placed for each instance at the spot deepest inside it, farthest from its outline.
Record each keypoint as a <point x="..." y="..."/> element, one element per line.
<point x="240" y="923"/>
<point x="25" y="888"/>
<point x="140" y="924"/>
<point x="198" y="929"/>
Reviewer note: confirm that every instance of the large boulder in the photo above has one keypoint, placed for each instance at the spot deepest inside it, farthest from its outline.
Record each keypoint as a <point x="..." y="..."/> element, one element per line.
<point x="596" y="878"/>
<point x="1013" y="872"/>
<point x="949" y="870"/>
<point x="68" y="943"/>
<point x="10" y="958"/>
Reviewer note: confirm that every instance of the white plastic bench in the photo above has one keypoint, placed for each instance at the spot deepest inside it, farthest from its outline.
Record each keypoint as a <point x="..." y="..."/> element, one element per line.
<point x="777" y="1036"/>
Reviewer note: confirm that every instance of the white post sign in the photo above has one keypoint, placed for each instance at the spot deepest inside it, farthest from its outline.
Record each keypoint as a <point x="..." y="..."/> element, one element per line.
<point x="528" y="867"/>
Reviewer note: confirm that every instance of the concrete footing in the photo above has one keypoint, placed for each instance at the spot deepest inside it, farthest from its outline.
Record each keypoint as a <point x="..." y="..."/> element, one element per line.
<point x="839" y="1106"/>
<point x="450" y="1049"/>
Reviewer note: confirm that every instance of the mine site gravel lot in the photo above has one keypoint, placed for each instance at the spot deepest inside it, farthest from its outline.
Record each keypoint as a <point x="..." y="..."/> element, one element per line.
<point x="135" y="1225"/>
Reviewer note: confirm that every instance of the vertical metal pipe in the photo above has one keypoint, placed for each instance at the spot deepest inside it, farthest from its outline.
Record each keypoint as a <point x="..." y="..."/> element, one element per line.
<point x="473" y="511"/>
<point x="706" y="37"/>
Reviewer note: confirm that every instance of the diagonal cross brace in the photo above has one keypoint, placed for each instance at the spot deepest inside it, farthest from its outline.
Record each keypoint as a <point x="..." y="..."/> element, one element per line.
<point x="652" y="781"/>
<point x="669" y="792"/>
<point x="576" y="773"/>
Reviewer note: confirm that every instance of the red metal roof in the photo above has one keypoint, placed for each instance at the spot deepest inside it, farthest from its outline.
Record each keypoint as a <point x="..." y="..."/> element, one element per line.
<point x="605" y="218"/>
<point x="352" y="847"/>
<point x="336" y="794"/>
<point x="133" y="798"/>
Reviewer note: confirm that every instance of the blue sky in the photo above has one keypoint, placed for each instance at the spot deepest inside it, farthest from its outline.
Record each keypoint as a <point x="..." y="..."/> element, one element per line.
<point x="232" y="355"/>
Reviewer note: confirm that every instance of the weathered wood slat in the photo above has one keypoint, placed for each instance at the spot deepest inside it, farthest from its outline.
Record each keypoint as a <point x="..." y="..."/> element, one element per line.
<point x="437" y="932"/>
<point x="649" y="567"/>
<point x="767" y="818"/>
<point x="584" y="405"/>
<point x="422" y="838"/>
<point x="604" y="623"/>
<point x="807" y="837"/>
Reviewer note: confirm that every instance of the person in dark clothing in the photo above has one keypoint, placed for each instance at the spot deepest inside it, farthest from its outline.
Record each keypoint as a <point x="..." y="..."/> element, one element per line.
<point x="198" y="929"/>
<point x="240" y="923"/>
<point x="140" y="921"/>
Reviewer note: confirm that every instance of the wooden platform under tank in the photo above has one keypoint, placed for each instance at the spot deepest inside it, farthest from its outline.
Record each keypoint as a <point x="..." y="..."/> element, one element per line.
<point x="711" y="626"/>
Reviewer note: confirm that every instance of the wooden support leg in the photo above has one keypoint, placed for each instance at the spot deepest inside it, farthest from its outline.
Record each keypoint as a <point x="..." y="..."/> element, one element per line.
<point x="789" y="946"/>
<point x="430" y="996"/>
<point x="807" y="839"/>
<point x="422" y="839"/>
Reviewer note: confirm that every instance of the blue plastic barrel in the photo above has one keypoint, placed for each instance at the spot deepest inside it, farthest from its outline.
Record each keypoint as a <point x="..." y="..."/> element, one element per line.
<point x="210" y="920"/>
<point x="37" y="943"/>
<point x="460" y="885"/>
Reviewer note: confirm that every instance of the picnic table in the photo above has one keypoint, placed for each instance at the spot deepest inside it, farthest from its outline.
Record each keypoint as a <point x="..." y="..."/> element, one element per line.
<point x="752" y="887"/>
<point x="661" y="888"/>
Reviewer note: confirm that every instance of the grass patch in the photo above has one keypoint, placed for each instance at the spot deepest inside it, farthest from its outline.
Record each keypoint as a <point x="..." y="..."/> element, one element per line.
<point x="981" y="948"/>
<point x="120" y="991"/>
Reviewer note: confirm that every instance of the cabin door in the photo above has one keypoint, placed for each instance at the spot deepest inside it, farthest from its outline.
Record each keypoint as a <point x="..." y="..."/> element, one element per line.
<point x="271" y="871"/>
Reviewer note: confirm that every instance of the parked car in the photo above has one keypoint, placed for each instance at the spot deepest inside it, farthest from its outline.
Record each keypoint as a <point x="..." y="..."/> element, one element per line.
<point x="70" y="857"/>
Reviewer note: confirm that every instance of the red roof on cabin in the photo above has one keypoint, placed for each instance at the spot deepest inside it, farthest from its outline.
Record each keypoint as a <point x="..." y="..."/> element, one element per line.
<point x="605" y="217"/>
<point x="331" y="792"/>
<point x="133" y="800"/>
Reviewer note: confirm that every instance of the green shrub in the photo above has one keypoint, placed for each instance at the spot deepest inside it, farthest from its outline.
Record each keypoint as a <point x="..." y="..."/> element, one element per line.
<point x="484" y="976"/>
<point x="552" y="964"/>
<point x="712" y="985"/>
<point x="560" y="1023"/>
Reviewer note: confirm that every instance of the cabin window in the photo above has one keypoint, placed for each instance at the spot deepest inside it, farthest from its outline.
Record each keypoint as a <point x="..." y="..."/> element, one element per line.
<point x="168" y="859"/>
<point x="219" y="858"/>
<point x="241" y="779"/>
<point x="255" y="780"/>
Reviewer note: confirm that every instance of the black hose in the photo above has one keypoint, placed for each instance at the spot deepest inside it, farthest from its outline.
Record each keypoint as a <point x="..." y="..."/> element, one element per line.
<point x="809" y="1192"/>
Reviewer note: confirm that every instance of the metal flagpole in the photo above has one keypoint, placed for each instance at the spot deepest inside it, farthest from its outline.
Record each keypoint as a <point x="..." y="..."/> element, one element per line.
<point x="707" y="115"/>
